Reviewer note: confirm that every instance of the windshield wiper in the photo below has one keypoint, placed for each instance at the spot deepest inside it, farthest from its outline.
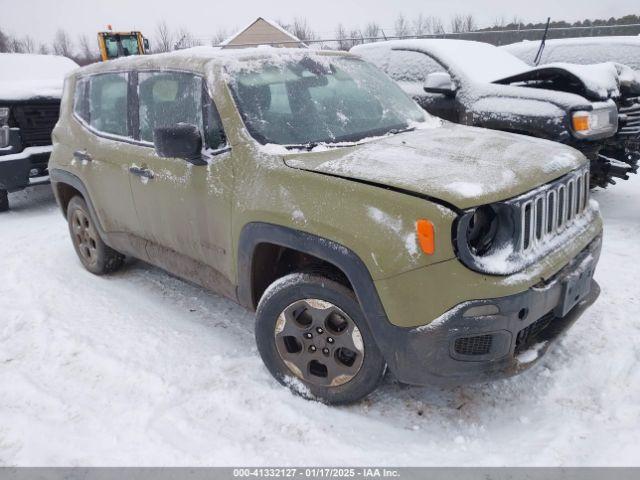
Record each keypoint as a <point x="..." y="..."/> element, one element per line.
<point x="395" y="131"/>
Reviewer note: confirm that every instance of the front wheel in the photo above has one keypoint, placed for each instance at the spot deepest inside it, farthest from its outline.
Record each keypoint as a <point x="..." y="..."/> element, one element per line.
<point x="313" y="337"/>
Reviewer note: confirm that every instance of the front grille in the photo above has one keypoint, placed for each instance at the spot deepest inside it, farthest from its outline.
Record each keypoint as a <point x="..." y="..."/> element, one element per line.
<point x="551" y="209"/>
<point x="629" y="117"/>
<point x="478" y="345"/>
<point x="530" y="335"/>
<point x="36" y="122"/>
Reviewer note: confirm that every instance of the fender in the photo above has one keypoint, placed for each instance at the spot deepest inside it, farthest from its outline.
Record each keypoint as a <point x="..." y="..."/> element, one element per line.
<point x="388" y="337"/>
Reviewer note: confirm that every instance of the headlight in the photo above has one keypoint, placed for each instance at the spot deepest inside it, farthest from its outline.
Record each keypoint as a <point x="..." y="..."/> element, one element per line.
<point x="4" y="127"/>
<point x="482" y="229"/>
<point x="600" y="122"/>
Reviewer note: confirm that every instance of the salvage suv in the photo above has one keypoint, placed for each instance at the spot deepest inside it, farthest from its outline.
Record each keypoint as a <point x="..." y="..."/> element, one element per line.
<point x="308" y="187"/>
<point x="30" y="91"/>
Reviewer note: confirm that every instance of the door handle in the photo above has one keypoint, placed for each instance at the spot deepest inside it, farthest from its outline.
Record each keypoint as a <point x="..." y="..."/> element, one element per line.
<point x="82" y="156"/>
<point x="141" y="172"/>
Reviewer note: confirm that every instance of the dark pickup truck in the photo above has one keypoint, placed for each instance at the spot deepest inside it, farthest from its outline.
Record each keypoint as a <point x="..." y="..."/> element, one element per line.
<point x="30" y="92"/>
<point x="593" y="108"/>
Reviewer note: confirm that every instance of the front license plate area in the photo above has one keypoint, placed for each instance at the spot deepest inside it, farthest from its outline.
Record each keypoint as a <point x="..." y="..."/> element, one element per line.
<point x="576" y="286"/>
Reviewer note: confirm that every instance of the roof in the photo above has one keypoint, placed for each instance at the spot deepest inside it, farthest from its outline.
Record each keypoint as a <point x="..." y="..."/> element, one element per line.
<point x="262" y="31"/>
<point x="198" y="58"/>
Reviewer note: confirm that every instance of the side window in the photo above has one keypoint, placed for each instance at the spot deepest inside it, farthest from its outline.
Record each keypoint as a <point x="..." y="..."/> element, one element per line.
<point x="214" y="136"/>
<point x="168" y="98"/>
<point x="108" y="103"/>
<point x="81" y="99"/>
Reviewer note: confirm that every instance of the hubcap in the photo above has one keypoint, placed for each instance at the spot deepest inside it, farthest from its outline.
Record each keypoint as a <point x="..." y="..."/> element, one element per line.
<point x="84" y="236"/>
<point x="319" y="343"/>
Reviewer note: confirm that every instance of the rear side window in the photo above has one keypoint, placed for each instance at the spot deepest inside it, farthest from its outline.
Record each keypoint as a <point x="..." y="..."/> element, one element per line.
<point x="81" y="99"/>
<point x="108" y="100"/>
<point x="166" y="99"/>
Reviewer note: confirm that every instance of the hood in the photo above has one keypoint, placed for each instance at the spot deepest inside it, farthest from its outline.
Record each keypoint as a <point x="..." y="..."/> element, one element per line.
<point x="29" y="90"/>
<point x="459" y="165"/>
<point x="27" y="76"/>
<point x="596" y="82"/>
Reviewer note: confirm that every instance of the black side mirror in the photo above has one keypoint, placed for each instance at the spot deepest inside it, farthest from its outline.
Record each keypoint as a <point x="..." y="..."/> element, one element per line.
<point x="440" y="83"/>
<point x="179" y="141"/>
<point x="145" y="42"/>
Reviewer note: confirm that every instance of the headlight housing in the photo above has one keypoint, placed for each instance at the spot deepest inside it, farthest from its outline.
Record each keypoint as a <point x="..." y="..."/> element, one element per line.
<point x="4" y="127"/>
<point x="600" y="122"/>
<point x="485" y="230"/>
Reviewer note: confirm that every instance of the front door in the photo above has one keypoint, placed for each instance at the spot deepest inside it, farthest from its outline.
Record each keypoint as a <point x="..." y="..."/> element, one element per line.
<point x="181" y="206"/>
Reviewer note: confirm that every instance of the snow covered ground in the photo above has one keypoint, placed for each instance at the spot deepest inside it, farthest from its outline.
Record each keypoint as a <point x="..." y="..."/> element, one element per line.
<point x="140" y="368"/>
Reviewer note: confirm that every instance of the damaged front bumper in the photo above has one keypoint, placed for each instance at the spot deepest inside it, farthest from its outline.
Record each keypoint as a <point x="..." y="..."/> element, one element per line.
<point x="485" y="339"/>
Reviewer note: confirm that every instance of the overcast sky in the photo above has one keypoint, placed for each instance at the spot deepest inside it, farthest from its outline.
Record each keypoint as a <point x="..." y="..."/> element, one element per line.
<point x="41" y="18"/>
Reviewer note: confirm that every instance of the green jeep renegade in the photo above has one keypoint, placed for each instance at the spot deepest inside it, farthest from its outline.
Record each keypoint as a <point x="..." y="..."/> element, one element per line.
<point x="308" y="187"/>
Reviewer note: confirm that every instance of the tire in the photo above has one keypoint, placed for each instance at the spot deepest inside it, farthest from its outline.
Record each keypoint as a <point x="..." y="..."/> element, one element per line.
<point x="341" y="366"/>
<point x="94" y="254"/>
<point x="4" y="200"/>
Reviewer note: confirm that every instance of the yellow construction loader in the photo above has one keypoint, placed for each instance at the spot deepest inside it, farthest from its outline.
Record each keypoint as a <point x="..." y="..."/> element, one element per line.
<point x="121" y="44"/>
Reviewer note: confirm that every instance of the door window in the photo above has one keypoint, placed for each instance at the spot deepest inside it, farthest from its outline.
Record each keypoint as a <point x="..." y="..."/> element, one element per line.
<point x="166" y="99"/>
<point x="108" y="94"/>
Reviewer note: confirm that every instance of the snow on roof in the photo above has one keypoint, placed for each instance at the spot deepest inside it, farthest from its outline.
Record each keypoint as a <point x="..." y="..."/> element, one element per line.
<point x="24" y="76"/>
<point x="266" y="20"/>
<point x="477" y="61"/>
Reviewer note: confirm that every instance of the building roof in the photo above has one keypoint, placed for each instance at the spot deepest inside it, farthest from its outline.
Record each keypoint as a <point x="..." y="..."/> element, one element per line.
<point x="262" y="32"/>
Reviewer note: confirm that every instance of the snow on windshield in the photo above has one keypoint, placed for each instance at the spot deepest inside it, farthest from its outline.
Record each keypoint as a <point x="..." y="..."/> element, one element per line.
<point x="24" y="76"/>
<point x="475" y="61"/>
<point x="302" y="100"/>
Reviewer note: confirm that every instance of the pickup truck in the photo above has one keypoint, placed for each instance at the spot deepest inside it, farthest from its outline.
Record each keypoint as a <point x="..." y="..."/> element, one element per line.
<point x="593" y="108"/>
<point x="30" y="92"/>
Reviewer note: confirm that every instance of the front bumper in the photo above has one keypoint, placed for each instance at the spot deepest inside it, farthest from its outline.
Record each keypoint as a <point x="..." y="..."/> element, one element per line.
<point x="485" y="339"/>
<point x="20" y="168"/>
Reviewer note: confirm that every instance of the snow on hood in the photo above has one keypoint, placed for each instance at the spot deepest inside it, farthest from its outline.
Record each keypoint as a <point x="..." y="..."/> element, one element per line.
<point x="464" y="166"/>
<point x="601" y="80"/>
<point x="25" y="76"/>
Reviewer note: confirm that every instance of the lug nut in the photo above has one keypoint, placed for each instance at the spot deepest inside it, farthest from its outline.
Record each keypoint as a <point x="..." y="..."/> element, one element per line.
<point x="330" y="340"/>
<point x="319" y="330"/>
<point x="308" y="335"/>
<point x="312" y="348"/>
<point x="325" y="351"/>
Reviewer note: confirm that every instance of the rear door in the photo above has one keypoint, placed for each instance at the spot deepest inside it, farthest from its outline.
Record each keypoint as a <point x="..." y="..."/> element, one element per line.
<point x="183" y="207"/>
<point x="102" y="154"/>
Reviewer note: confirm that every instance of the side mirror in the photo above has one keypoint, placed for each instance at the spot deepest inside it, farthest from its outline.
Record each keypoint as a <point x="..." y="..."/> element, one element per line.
<point x="179" y="141"/>
<point x="145" y="42"/>
<point x="440" y="82"/>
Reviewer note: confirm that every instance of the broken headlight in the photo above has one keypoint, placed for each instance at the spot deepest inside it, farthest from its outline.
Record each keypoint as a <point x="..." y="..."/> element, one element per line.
<point x="600" y="122"/>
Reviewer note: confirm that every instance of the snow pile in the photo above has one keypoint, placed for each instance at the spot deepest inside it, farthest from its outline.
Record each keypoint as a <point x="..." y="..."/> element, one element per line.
<point x="25" y="76"/>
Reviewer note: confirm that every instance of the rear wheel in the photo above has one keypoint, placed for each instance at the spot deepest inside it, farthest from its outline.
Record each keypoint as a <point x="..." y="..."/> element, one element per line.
<point x="95" y="255"/>
<point x="4" y="200"/>
<point x="313" y="338"/>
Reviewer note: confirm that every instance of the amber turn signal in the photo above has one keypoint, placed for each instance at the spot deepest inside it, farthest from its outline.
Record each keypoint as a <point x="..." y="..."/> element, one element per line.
<point x="581" y="122"/>
<point x="426" y="236"/>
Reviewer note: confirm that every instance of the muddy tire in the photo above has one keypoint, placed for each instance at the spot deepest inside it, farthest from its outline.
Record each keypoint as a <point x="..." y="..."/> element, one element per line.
<point x="313" y="337"/>
<point x="94" y="254"/>
<point x="4" y="200"/>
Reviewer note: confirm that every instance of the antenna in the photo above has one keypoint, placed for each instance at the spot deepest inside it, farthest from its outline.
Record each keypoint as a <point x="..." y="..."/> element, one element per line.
<point x="536" y="61"/>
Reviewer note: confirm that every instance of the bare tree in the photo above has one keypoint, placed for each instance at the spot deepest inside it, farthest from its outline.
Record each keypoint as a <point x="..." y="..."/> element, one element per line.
<point x="15" y="45"/>
<point x="300" y="29"/>
<point x="186" y="40"/>
<point x="220" y="36"/>
<point x="342" y="38"/>
<point x="164" y="39"/>
<point x="463" y="23"/>
<point x="437" y="26"/>
<point x="372" y="30"/>
<point x="456" y="23"/>
<point x="43" y="49"/>
<point x="421" y="25"/>
<point x="88" y="54"/>
<point x="401" y="26"/>
<point x="62" y="44"/>
<point x="4" y="42"/>
<point x="28" y="44"/>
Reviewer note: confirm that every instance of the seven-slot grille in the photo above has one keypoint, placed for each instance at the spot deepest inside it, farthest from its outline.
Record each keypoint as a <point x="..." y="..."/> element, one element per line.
<point x="36" y="122"/>
<point x="629" y="117"/>
<point x="553" y="208"/>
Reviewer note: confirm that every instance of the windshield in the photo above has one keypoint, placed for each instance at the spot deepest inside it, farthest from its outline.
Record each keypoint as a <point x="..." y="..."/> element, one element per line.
<point x="320" y="99"/>
<point x="128" y="44"/>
